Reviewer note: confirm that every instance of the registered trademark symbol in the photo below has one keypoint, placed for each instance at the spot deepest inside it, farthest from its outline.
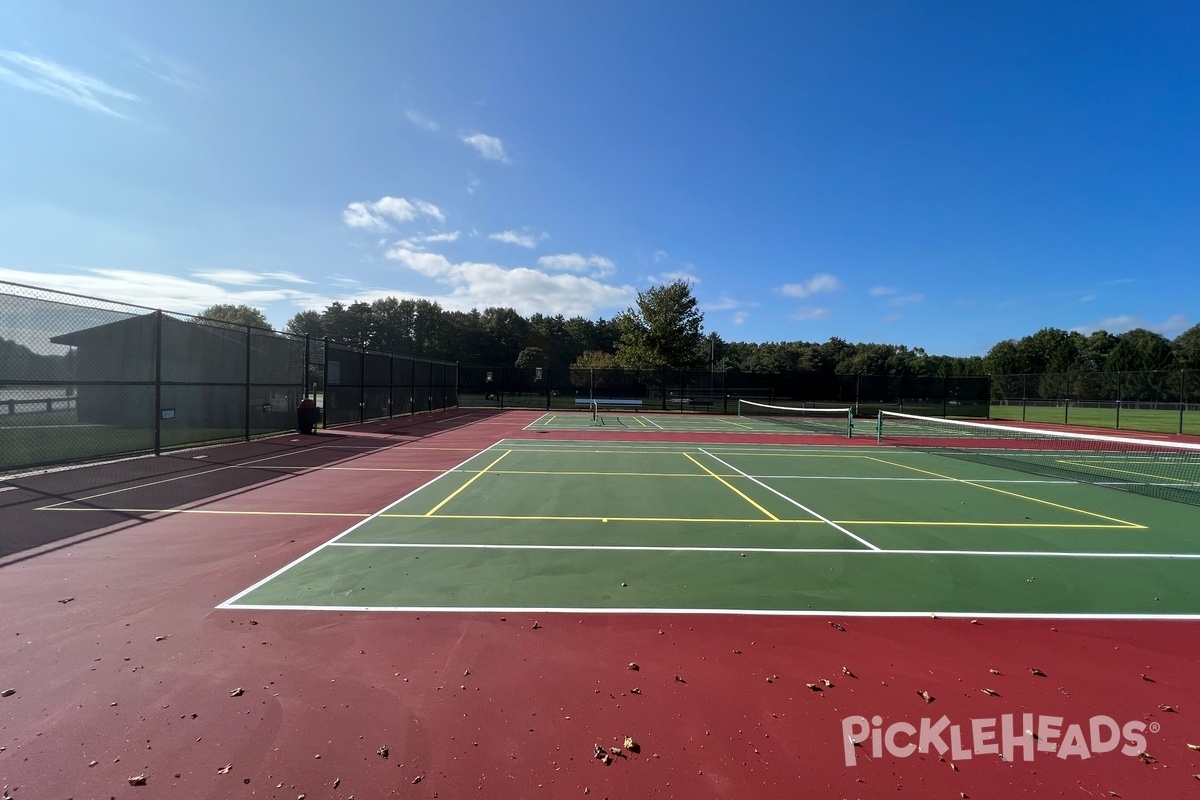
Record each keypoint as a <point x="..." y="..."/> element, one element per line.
<point x="1155" y="727"/>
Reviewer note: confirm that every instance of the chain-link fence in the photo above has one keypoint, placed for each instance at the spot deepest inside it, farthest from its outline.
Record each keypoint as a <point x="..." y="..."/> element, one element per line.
<point x="83" y="379"/>
<point x="719" y="391"/>
<point x="1160" y="402"/>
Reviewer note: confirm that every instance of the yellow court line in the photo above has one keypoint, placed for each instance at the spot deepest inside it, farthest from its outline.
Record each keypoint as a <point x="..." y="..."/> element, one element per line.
<point x="641" y="422"/>
<point x="739" y="424"/>
<point x="1124" y="523"/>
<point x="456" y="492"/>
<point x="1087" y="465"/>
<point x="536" y="518"/>
<point x="557" y="472"/>
<point x="731" y="486"/>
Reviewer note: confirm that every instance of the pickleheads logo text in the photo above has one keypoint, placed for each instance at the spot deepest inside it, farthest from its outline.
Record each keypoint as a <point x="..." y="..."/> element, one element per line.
<point x="1008" y="736"/>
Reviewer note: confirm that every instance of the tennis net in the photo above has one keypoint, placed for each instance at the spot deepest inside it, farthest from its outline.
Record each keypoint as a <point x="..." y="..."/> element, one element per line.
<point x="816" y="420"/>
<point x="1162" y="469"/>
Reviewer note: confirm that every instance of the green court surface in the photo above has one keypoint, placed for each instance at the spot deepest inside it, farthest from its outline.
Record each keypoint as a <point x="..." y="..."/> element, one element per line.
<point x="790" y="528"/>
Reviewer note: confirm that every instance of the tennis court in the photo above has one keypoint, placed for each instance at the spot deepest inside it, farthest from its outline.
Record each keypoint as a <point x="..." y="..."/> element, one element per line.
<point x="701" y="526"/>
<point x="196" y="619"/>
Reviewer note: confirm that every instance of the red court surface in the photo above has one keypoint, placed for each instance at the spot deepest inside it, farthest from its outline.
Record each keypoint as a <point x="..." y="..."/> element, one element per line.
<point x="123" y="668"/>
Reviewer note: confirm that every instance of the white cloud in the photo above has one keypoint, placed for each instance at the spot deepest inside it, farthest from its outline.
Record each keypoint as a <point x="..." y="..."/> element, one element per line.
<point x="421" y="121"/>
<point x="905" y="299"/>
<point x="1170" y="327"/>
<point x="46" y="77"/>
<point x="1087" y="298"/>
<point x="155" y="290"/>
<point x="472" y="185"/>
<point x="512" y="237"/>
<point x="660" y="255"/>
<point x="419" y="241"/>
<point x="821" y="282"/>
<point x="740" y="316"/>
<point x="892" y="318"/>
<point x="166" y="69"/>
<point x="480" y="285"/>
<point x="491" y="148"/>
<point x="808" y="314"/>
<point x="241" y="277"/>
<point x="880" y="291"/>
<point x="671" y="277"/>
<point x="574" y="262"/>
<point x="374" y="216"/>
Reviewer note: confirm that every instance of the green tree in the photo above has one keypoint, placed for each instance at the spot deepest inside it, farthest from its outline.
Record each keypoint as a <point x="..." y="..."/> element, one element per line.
<point x="1140" y="350"/>
<point x="237" y="315"/>
<point x="1186" y="347"/>
<point x="531" y="357"/>
<point x="307" y="323"/>
<point x="664" y="330"/>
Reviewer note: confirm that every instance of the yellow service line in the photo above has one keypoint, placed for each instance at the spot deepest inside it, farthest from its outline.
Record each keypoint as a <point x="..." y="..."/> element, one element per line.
<point x="640" y="422"/>
<point x="456" y="492"/>
<point x="731" y="486"/>
<point x="1011" y="494"/>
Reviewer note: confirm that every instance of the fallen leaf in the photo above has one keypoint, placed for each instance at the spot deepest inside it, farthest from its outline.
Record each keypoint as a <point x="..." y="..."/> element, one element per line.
<point x="926" y="696"/>
<point x="236" y="693"/>
<point x="846" y="671"/>
<point x="836" y="626"/>
<point x="223" y="770"/>
<point x="383" y="751"/>
<point x="1146" y="758"/>
<point x="1037" y="672"/>
<point x="137" y="780"/>
<point x="991" y="692"/>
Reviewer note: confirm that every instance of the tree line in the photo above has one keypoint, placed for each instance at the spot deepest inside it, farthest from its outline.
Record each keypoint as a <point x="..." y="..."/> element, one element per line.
<point x="665" y="329"/>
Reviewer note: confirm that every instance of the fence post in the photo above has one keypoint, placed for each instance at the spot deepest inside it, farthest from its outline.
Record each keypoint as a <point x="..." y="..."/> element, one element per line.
<point x="1067" y="402"/>
<point x="945" y="396"/>
<point x="325" y="386"/>
<point x="158" y="316"/>
<point x="247" y="436"/>
<point x="1182" y="397"/>
<point x="1118" y="399"/>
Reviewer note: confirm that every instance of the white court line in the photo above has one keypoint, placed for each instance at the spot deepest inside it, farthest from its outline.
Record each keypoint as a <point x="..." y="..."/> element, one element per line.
<point x="796" y="503"/>
<point x="652" y="422"/>
<point x="334" y="540"/>
<point x="792" y="550"/>
<point x="763" y="612"/>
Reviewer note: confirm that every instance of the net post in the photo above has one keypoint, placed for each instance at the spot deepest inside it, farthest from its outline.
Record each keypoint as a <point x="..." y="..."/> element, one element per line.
<point x="879" y="428"/>
<point x="850" y="423"/>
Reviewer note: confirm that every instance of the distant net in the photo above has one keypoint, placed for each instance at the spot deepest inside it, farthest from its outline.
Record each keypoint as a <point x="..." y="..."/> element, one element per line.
<point x="838" y="421"/>
<point x="1166" y="470"/>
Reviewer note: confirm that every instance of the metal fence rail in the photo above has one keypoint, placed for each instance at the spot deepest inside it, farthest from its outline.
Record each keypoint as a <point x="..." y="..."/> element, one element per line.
<point x="718" y="391"/>
<point x="1164" y="401"/>
<point x="84" y="379"/>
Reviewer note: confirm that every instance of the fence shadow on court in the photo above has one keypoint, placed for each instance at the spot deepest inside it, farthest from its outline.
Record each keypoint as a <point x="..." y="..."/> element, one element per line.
<point x="111" y="497"/>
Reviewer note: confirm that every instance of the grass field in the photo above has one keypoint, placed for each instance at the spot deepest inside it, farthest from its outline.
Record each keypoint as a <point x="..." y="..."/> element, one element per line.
<point x="1150" y="421"/>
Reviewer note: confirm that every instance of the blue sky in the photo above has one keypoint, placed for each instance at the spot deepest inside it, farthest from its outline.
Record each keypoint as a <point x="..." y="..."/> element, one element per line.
<point x="943" y="175"/>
